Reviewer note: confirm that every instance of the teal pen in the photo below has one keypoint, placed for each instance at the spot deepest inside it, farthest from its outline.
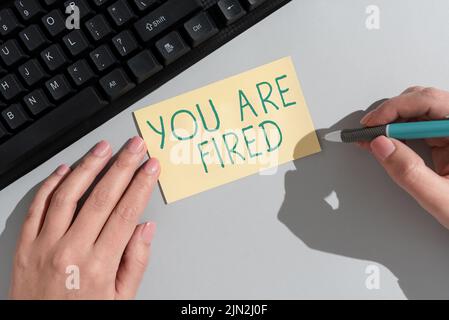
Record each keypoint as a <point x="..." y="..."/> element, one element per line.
<point x="400" y="131"/>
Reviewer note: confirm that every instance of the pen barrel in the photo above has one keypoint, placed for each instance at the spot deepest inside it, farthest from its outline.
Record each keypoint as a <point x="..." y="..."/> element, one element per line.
<point x="419" y="130"/>
<point x="363" y="134"/>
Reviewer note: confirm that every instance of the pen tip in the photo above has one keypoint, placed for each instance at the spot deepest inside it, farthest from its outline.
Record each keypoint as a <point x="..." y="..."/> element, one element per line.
<point x="333" y="136"/>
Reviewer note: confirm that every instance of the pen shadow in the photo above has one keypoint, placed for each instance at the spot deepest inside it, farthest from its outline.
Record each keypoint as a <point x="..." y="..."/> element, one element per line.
<point x="375" y="221"/>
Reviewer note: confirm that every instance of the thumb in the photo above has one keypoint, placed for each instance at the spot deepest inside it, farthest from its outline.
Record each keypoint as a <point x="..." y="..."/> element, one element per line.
<point x="134" y="261"/>
<point x="410" y="172"/>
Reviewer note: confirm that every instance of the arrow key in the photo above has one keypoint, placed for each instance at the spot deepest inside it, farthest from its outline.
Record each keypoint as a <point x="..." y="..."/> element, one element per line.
<point x="231" y="10"/>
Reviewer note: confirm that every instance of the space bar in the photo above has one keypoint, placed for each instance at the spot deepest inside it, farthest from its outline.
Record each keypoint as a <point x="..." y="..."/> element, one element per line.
<point x="48" y="128"/>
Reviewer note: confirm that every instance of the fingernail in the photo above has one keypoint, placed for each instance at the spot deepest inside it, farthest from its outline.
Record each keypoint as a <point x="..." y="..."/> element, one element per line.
<point x="148" y="232"/>
<point x="151" y="166"/>
<point x="366" y="118"/>
<point x="135" y="145"/>
<point x="382" y="148"/>
<point x="101" y="149"/>
<point x="62" y="170"/>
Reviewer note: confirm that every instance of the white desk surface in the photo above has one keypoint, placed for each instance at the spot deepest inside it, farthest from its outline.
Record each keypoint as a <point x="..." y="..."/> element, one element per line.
<point x="274" y="236"/>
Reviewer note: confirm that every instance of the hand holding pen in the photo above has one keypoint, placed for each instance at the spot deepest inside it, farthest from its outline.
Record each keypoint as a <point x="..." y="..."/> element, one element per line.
<point x="429" y="187"/>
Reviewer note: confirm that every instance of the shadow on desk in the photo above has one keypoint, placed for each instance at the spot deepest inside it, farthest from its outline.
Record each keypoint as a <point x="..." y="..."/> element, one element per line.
<point x="8" y="240"/>
<point x="375" y="221"/>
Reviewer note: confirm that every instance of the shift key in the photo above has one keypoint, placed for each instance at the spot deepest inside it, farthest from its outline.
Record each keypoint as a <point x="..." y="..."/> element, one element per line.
<point x="164" y="17"/>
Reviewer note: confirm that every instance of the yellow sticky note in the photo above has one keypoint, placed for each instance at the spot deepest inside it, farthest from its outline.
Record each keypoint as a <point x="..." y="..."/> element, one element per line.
<point x="228" y="130"/>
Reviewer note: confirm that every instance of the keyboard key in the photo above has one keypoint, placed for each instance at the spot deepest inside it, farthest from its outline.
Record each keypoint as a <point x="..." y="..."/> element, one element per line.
<point x="143" y="5"/>
<point x="28" y="9"/>
<point x="172" y="47"/>
<point x="8" y="22"/>
<point x="49" y="3"/>
<point x="10" y="87"/>
<point x="34" y="141"/>
<point x="80" y="72"/>
<point x="76" y="42"/>
<point x="253" y="4"/>
<point x="15" y="116"/>
<point x="116" y="83"/>
<point x="102" y="57"/>
<point x="164" y="17"/>
<point x="120" y="12"/>
<point x="125" y="43"/>
<point x="82" y="5"/>
<point x="58" y="87"/>
<point x="200" y="28"/>
<point x="32" y="72"/>
<point x="231" y="10"/>
<point x="36" y="102"/>
<point x="144" y="65"/>
<point x="99" y="3"/>
<point x="54" y="22"/>
<point x="32" y="37"/>
<point x="98" y="27"/>
<point x="10" y="52"/>
<point x="54" y="57"/>
<point x="39" y="134"/>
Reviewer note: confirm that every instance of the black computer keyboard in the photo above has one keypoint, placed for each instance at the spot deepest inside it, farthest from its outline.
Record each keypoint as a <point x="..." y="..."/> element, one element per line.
<point x="57" y="83"/>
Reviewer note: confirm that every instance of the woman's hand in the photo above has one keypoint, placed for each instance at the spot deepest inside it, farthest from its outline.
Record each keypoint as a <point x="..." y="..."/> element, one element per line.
<point x="102" y="252"/>
<point x="429" y="187"/>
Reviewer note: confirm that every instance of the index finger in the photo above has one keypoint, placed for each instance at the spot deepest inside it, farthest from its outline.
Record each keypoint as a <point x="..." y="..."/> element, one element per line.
<point x="430" y="102"/>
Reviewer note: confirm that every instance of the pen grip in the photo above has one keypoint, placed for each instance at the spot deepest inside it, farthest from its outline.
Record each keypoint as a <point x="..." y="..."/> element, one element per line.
<point x="363" y="134"/>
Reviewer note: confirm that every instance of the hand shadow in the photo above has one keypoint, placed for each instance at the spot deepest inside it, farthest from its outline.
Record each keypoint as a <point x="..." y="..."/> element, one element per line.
<point x="375" y="221"/>
<point x="8" y="240"/>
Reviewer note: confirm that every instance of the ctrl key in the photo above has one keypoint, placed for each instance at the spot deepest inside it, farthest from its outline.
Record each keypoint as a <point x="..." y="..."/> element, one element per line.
<point x="116" y="83"/>
<point x="200" y="28"/>
<point x="15" y="116"/>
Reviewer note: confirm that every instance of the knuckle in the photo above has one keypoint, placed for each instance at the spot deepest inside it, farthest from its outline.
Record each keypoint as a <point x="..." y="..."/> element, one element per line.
<point x="143" y="182"/>
<point x="99" y="197"/>
<point x="85" y="164"/>
<point x="96" y="269"/>
<point x="21" y="260"/>
<point x="33" y="212"/>
<point x="386" y="106"/>
<point x="61" y="198"/>
<point x="47" y="185"/>
<point x="136" y="261"/>
<point x="141" y="260"/>
<point x="61" y="259"/>
<point x="127" y="213"/>
<point x="431" y="92"/>
<point x="410" y="171"/>
<point x="414" y="88"/>
<point x="124" y="161"/>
